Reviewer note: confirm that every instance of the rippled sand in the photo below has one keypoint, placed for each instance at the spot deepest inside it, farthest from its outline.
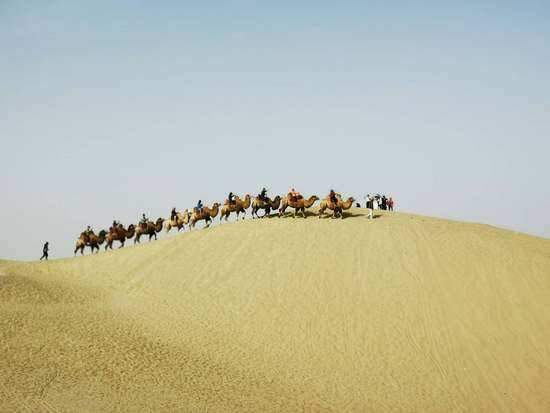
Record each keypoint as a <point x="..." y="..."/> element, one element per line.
<point x="399" y="313"/>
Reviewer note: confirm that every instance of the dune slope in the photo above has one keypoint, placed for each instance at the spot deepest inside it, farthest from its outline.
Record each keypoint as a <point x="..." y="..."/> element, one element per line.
<point x="399" y="313"/>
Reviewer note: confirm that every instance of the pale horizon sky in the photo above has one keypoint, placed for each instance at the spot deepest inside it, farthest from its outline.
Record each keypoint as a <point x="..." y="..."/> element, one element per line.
<point x="110" y="110"/>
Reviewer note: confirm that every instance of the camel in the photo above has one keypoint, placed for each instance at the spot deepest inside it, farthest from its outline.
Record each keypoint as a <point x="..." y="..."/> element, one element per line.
<point x="93" y="241"/>
<point x="119" y="234"/>
<point x="182" y="219"/>
<point x="205" y="214"/>
<point x="151" y="229"/>
<point x="267" y="206"/>
<point x="337" y="209"/>
<point x="299" y="204"/>
<point x="238" y="206"/>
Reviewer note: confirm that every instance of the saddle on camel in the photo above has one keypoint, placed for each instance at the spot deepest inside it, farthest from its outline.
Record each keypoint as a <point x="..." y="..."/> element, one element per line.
<point x="294" y="195"/>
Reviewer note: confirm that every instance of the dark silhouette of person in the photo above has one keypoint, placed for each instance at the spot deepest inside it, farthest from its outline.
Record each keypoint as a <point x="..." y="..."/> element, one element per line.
<point x="263" y="195"/>
<point x="45" y="250"/>
<point x="332" y="197"/>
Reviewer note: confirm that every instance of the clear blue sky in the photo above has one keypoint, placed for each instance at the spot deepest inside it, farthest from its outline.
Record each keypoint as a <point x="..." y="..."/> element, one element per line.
<point x="110" y="110"/>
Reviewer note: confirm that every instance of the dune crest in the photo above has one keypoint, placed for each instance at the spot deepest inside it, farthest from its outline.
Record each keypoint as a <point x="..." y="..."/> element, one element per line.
<point x="399" y="313"/>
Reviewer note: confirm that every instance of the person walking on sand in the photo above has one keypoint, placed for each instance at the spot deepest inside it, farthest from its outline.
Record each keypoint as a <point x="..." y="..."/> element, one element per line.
<point x="45" y="250"/>
<point x="368" y="201"/>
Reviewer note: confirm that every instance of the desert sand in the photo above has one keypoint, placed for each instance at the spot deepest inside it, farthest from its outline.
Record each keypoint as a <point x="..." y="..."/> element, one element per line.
<point x="400" y="313"/>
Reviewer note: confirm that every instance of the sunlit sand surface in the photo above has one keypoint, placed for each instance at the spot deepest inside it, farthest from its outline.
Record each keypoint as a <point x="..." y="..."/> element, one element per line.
<point x="399" y="313"/>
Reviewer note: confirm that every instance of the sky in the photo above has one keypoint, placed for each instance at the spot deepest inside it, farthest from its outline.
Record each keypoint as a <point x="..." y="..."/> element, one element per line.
<point x="113" y="109"/>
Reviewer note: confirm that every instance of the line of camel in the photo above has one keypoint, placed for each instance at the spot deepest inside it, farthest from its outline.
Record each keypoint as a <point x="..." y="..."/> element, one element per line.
<point x="207" y="214"/>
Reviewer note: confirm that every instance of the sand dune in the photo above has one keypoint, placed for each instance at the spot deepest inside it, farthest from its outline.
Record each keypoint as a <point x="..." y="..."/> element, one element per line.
<point x="400" y="313"/>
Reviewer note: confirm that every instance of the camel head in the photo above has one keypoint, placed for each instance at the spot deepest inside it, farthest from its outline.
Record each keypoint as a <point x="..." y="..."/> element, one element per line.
<point x="214" y="210"/>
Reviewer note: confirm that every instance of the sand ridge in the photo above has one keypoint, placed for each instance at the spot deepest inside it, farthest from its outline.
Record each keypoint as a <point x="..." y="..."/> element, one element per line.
<point x="399" y="313"/>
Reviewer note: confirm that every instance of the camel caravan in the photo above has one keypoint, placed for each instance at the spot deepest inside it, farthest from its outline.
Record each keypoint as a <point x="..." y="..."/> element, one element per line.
<point x="332" y="203"/>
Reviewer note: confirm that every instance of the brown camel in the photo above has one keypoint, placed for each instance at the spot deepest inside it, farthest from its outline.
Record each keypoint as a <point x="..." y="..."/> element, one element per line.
<point x="182" y="219"/>
<point x="119" y="234"/>
<point x="238" y="206"/>
<point x="93" y="241"/>
<point x="151" y="229"/>
<point x="267" y="206"/>
<point x="299" y="204"/>
<point x="205" y="214"/>
<point x="337" y="209"/>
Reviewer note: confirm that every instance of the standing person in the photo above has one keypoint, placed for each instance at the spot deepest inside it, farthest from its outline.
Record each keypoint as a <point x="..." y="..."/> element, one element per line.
<point x="374" y="203"/>
<point x="390" y="204"/>
<point x="384" y="202"/>
<point x="45" y="250"/>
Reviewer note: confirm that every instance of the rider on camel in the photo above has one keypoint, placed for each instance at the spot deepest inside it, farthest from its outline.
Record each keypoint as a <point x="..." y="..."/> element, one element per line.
<point x="294" y="195"/>
<point x="333" y="198"/>
<point x="199" y="206"/>
<point x="173" y="215"/>
<point x="263" y="195"/>
<point x="230" y="198"/>
<point x="143" y="221"/>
